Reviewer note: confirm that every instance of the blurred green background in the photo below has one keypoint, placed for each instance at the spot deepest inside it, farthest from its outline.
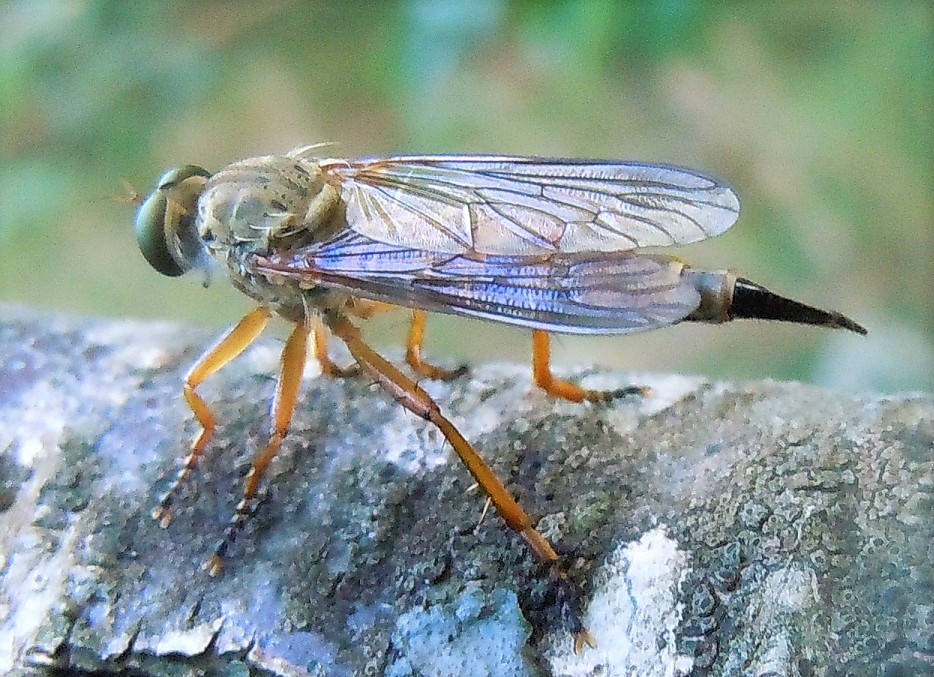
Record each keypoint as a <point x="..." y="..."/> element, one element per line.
<point x="818" y="114"/>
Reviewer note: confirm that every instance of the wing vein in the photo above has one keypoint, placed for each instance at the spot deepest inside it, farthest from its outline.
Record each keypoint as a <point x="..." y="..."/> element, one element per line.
<point x="524" y="206"/>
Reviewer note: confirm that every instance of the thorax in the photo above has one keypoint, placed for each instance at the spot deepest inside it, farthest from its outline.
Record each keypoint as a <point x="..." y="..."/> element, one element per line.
<point x="265" y="205"/>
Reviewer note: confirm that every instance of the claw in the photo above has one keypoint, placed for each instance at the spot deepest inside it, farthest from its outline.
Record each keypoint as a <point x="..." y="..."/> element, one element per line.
<point x="568" y="598"/>
<point x="164" y="517"/>
<point x="582" y="640"/>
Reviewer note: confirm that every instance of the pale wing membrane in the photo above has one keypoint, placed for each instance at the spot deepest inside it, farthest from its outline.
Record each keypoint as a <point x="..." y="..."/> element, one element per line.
<point x="569" y="293"/>
<point x="527" y="206"/>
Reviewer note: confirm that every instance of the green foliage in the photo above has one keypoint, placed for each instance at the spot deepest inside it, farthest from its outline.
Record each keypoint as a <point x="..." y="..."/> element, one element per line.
<point x="819" y="115"/>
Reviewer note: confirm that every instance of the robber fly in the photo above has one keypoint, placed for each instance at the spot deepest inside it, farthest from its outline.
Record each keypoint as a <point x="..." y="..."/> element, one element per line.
<point x="552" y="245"/>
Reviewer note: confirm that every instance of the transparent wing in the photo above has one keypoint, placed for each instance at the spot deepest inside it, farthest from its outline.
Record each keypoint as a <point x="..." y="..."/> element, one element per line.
<point x="577" y="293"/>
<point x="525" y="206"/>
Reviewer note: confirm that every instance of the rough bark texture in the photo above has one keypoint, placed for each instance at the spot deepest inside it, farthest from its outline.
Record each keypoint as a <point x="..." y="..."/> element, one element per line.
<point x="717" y="528"/>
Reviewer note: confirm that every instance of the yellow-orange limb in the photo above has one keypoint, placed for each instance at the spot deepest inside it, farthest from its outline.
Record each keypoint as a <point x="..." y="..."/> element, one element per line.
<point x="365" y="309"/>
<point x="328" y="367"/>
<point x="405" y="391"/>
<point x="228" y="347"/>
<point x="544" y="379"/>
<point x="413" y="353"/>
<point x="292" y="365"/>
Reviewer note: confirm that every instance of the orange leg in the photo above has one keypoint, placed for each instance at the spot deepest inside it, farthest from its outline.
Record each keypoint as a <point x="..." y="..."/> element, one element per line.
<point x="292" y="365"/>
<point x="413" y="353"/>
<point x="229" y="346"/>
<point x="544" y="379"/>
<point x="416" y="400"/>
<point x="365" y="309"/>
<point x="328" y="368"/>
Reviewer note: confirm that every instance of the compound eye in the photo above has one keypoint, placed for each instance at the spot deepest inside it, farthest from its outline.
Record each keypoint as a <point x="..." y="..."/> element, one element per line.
<point x="175" y="176"/>
<point x="165" y="217"/>
<point x="150" y="234"/>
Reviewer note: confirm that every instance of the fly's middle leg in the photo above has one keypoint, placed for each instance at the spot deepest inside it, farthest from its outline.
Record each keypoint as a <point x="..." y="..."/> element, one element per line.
<point x="292" y="366"/>
<point x="565" y="390"/>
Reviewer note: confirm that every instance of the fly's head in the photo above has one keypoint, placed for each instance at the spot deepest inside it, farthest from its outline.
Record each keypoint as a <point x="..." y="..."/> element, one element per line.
<point x="166" y="222"/>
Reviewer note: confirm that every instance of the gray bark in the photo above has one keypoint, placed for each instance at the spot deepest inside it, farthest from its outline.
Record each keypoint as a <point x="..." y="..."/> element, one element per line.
<point x="721" y="528"/>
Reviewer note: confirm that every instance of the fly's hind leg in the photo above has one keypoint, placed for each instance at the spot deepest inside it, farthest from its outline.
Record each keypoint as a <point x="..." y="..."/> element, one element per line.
<point x="565" y="390"/>
<point x="416" y="400"/>
<point x="413" y="353"/>
<point x="292" y="365"/>
<point x="229" y="346"/>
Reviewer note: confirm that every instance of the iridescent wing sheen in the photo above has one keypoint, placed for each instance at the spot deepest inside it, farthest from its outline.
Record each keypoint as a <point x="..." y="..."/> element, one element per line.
<point x="515" y="206"/>
<point x="575" y="293"/>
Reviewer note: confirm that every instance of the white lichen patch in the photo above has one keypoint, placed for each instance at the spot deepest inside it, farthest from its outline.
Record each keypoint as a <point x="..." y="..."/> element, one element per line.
<point x="186" y="642"/>
<point x="633" y="613"/>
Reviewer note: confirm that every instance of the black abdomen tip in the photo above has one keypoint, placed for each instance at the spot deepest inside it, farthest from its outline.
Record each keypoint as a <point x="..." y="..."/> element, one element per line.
<point x="754" y="301"/>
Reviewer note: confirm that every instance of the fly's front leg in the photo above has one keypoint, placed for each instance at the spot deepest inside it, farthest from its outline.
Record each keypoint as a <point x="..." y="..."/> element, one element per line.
<point x="413" y="353"/>
<point x="292" y="365"/>
<point x="229" y="346"/>
<point x="565" y="390"/>
<point x="416" y="400"/>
